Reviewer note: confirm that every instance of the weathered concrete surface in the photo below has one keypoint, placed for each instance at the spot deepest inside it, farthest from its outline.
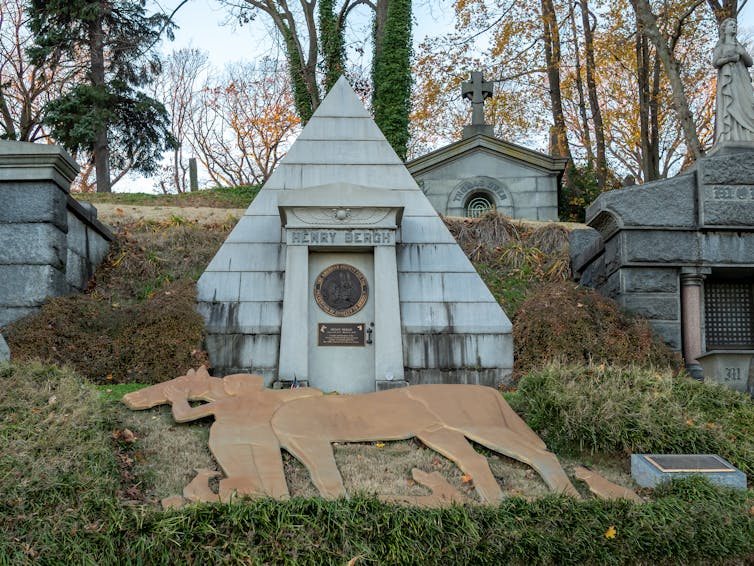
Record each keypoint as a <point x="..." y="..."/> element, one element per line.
<point x="4" y="350"/>
<point x="51" y="243"/>
<point x="522" y="183"/>
<point x="256" y="292"/>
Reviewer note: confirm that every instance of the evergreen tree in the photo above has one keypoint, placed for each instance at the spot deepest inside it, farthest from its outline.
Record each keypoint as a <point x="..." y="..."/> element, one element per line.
<point x="391" y="75"/>
<point x="107" y="115"/>
<point x="333" y="44"/>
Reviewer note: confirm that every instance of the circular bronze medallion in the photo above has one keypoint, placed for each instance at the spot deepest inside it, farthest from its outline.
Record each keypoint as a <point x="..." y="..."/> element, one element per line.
<point x="341" y="290"/>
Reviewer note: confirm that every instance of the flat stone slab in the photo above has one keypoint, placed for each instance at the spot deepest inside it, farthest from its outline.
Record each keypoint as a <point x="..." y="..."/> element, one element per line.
<point x="650" y="470"/>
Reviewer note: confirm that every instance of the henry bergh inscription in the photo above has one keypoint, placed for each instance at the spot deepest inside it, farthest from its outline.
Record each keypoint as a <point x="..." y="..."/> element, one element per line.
<point x="338" y="237"/>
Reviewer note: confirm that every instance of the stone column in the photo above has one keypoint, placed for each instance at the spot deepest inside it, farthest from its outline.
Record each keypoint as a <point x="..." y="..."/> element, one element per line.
<point x="691" y="320"/>
<point x="388" y="340"/>
<point x="294" y="337"/>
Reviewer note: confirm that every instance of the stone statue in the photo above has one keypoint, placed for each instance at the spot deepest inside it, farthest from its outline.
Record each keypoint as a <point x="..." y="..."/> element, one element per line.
<point x="734" y="118"/>
<point x="253" y="423"/>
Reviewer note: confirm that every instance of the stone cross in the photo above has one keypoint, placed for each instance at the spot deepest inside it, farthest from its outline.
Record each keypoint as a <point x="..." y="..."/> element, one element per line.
<point x="477" y="90"/>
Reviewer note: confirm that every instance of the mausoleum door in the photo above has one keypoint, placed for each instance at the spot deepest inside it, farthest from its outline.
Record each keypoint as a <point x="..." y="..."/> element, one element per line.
<point x="341" y="322"/>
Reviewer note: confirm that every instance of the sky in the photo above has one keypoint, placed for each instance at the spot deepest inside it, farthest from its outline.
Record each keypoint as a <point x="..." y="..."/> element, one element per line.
<point x="207" y="25"/>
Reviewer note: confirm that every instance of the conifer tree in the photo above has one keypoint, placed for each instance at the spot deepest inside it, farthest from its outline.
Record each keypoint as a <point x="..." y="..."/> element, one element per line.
<point x="106" y="115"/>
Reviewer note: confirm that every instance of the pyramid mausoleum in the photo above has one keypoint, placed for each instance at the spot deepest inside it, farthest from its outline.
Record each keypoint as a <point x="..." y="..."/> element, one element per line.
<point x="341" y="273"/>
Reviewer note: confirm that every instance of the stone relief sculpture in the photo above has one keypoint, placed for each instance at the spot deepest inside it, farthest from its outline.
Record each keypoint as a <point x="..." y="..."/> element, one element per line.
<point x="252" y="424"/>
<point x="734" y="116"/>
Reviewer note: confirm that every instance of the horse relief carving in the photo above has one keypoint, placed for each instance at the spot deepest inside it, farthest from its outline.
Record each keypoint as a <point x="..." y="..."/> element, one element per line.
<point x="252" y="424"/>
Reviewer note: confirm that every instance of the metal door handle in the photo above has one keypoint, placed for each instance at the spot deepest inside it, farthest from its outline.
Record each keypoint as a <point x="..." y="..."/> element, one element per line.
<point x="369" y="332"/>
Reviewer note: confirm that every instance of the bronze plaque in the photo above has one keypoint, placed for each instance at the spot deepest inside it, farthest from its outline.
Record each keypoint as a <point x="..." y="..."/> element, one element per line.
<point x="689" y="463"/>
<point x="341" y="290"/>
<point x="340" y="334"/>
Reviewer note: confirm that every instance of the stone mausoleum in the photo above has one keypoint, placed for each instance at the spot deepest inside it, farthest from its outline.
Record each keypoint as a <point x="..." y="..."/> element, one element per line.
<point x="680" y="251"/>
<point x="341" y="273"/>
<point x="481" y="172"/>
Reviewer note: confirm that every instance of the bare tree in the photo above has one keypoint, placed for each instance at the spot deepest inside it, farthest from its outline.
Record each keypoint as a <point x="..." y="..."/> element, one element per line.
<point x="24" y="87"/>
<point x="244" y="123"/>
<point x="177" y="88"/>
<point x="648" y="20"/>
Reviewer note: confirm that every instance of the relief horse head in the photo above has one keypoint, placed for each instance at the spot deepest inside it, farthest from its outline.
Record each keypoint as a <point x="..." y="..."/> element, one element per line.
<point x="196" y="384"/>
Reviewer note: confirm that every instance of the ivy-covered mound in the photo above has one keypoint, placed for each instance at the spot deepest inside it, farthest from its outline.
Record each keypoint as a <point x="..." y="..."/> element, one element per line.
<point x="561" y="321"/>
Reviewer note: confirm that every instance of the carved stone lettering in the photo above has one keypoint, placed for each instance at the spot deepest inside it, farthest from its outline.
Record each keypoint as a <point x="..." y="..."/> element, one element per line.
<point x="336" y="237"/>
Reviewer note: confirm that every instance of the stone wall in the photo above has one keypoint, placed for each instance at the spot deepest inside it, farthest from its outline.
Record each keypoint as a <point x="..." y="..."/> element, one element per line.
<point x="653" y="247"/>
<point x="50" y="243"/>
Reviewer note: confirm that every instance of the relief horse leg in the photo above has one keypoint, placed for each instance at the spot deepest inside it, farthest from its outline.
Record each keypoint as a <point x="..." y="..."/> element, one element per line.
<point x="512" y="445"/>
<point x="317" y="456"/>
<point x="237" y="462"/>
<point x="453" y="445"/>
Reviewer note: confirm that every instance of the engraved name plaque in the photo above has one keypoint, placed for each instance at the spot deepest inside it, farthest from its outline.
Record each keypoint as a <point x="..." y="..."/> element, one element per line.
<point x="340" y="334"/>
<point x="676" y="463"/>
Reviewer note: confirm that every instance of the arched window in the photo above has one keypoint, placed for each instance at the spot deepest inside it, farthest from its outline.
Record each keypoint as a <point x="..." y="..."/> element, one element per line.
<point x="478" y="204"/>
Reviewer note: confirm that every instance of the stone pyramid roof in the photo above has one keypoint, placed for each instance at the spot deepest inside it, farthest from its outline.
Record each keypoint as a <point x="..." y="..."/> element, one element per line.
<point x="241" y="291"/>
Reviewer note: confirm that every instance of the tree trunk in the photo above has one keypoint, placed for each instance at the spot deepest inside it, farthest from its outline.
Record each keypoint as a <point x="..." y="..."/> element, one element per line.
<point x="558" y="138"/>
<point x="101" y="151"/>
<point x="331" y="38"/>
<point x="724" y="10"/>
<point x="302" y="61"/>
<point x="642" y="80"/>
<point x="380" y="18"/>
<point x="591" y="85"/>
<point x="585" y="136"/>
<point x="654" y="120"/>
<point x="391" y="75"/>
<point x="672" y="69"/>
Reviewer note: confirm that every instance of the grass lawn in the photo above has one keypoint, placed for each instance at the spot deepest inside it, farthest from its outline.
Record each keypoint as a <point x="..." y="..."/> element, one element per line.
<point x="71" y="492"/>
<point x="81" y="476"/>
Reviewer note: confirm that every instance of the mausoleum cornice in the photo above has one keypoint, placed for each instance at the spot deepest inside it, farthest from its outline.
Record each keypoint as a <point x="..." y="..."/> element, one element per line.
<point x="26" y="161"/>
<point x="495" y="146"/>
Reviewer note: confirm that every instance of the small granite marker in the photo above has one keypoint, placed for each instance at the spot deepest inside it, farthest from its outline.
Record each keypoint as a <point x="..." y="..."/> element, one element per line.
<point x="649" y="470"/>
<point x="4" y="350"/>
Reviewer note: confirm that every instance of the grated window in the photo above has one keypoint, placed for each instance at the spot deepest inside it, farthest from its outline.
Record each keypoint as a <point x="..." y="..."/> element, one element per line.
<point x="728" y="310"/>
<point x="478" y="204"/>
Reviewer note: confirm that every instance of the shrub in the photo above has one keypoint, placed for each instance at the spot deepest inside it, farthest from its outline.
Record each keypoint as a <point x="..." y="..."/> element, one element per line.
<point x="634" y="410"/>
<point x="561" y="321"/>
<point x="138" y="322"/>
<point x="147" y="255"/>
<point x="513" y="257"/>
<point x="146" y="342"/>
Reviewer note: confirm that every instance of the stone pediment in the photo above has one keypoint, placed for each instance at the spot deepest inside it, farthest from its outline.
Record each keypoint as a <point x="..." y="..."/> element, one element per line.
<point x="460" y="149"/>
